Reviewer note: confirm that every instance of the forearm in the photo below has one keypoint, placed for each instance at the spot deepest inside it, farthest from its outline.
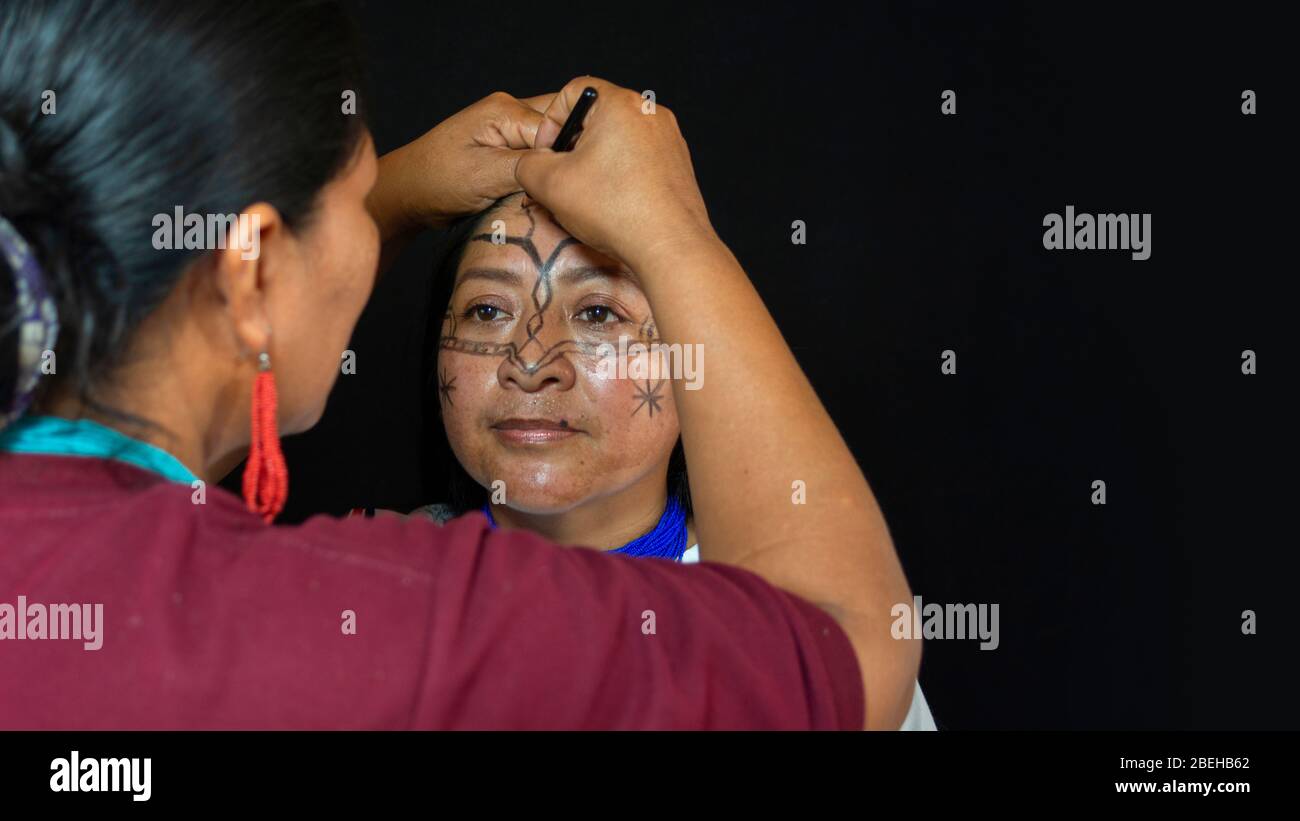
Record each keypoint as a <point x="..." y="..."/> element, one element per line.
<point x="458" y="167"/>
<point x="755" y="428"/>
<point x="391" y="206"/>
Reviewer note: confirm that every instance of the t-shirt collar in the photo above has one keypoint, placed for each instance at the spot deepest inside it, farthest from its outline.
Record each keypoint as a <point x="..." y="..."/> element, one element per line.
<point x="56" y="436"/>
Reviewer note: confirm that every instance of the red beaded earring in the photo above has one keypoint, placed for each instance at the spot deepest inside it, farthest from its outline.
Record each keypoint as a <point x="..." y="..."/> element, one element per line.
<point x="266" y="478"/>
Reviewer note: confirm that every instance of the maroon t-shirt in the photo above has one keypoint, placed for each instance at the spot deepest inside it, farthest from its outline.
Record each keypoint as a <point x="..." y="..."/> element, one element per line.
<point x="212" y="619"/>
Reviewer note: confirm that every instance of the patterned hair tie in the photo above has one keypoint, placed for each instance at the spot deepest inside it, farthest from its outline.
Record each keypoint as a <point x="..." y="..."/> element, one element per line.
<point x="37" y="318"/>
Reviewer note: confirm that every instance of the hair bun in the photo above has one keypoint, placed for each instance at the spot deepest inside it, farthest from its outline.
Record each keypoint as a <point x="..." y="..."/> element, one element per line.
<point x="29" y="324"/>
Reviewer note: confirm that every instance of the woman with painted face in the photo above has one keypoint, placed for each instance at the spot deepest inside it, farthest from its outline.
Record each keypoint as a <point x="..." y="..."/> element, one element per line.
<point x="524" y="371"/>
<point x="553" y="388"/>
<point x="132" y="375"/>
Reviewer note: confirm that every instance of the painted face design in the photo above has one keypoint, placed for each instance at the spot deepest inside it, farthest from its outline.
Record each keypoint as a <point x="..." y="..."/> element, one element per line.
<point x="527" y="395"/>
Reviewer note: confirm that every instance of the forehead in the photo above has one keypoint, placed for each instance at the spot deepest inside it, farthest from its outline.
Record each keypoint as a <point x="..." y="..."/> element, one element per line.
<point x="530" y="224"/>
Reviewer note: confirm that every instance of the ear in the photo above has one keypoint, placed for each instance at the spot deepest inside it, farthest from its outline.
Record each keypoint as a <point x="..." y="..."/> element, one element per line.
<point x="243" y="271"/>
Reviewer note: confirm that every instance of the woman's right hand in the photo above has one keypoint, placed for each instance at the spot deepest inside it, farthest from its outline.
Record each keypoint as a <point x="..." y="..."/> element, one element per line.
<point x="627" y="188"/>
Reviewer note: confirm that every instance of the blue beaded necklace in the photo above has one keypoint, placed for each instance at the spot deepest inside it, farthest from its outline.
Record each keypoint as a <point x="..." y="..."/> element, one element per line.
<point x="666" y="541"/>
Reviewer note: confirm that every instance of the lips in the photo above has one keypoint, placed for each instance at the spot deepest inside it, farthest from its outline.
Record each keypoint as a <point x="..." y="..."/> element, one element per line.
<point x="533" y="424"/>
<point x="533" y="431"/>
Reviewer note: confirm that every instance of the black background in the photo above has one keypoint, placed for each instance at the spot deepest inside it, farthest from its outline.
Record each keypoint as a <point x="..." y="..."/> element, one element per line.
<point x="925" y="234"/>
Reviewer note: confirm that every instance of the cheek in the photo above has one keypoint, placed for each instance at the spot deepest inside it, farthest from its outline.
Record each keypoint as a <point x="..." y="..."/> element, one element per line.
<point x="466" y="388"/>
<point x="341" y="280"/>
<point x="353" y="257"/>
<point x="330" y="293"/>
<point x="638" y="420"/>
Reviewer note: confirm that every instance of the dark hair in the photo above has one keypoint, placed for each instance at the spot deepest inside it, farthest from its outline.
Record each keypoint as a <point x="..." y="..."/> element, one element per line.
<point x="463" y="493"/>
<point x="209" y="105"/>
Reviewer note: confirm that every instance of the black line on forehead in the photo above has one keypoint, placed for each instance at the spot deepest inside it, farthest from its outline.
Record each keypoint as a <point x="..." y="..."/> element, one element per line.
<point x="525" y="242"/>
<point x="542" y="295"/>
<point x="543" y="301"/>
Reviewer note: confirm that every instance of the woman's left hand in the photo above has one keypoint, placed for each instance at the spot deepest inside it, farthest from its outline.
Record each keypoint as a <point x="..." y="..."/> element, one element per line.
<point x="461" y="166"/>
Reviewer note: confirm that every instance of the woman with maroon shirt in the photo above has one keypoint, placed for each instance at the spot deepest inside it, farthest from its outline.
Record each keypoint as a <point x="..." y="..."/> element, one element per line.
<point x="140" y="359"/>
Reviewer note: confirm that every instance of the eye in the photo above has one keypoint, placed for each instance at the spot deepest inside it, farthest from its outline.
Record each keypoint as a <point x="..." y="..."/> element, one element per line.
<point x="485" y="313"/>
<point x="598" y="315"/>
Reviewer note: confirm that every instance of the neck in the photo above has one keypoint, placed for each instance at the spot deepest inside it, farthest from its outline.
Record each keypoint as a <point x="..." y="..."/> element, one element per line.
<point x="605" y="523"/>
<point x="177" y="418"/>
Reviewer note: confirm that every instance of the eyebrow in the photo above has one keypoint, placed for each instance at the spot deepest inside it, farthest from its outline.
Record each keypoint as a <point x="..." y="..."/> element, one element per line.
<point x="491" y="275"/>
<point x="569" y="276"/>
<point x="582" y="273"/>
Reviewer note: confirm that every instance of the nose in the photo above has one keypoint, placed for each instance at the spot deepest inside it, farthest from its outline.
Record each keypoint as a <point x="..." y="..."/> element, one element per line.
<point x="540" y="361"/>
<point x="553" y="371"/>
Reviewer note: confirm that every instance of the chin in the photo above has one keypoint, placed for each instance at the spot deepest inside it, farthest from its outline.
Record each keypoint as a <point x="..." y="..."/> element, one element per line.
<point x="540" y="507"/>
<point x="535" y="489"/>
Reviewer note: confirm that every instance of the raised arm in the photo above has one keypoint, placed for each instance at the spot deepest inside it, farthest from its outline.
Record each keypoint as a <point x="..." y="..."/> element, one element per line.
<point x="756" y="425"/>
<point x="460" y="166"/>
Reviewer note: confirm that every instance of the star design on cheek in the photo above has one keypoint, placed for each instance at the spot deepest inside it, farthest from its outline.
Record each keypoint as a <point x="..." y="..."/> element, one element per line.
<point x="446" y="386"/>
<point x="649" y="396"/>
